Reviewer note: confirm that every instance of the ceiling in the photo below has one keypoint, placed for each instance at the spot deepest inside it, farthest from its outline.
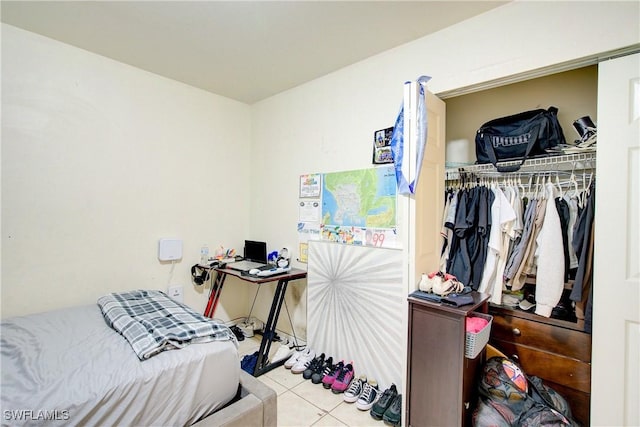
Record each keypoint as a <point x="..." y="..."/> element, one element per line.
<point x="244" y="50"/>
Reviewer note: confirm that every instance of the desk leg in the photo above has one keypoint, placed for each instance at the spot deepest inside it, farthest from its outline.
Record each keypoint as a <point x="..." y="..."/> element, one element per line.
<point x="214" y="294"/>
<point x="262" y="364"/>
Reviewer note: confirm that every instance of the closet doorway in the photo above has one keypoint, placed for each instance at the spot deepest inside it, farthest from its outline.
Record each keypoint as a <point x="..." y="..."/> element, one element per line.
<point x="614" y="93"/>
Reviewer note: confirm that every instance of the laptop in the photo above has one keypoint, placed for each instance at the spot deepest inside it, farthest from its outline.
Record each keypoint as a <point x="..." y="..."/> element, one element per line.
<point x="255" y="256"/>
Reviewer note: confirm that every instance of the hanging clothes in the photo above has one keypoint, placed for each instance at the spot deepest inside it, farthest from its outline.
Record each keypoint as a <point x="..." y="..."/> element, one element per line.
<point x="459" y="263"/>
<point x="583" y="245"/>
<point x="446" y="232"/>
<point x="517" y="202"/>
<point x="550" y="258"/>
<point x="572" y="202"/>
<point x="518" y="252"/>
<point x="500" y="236"/>
<point x="484" y="221"/>
<point x="527" y="264"/>
<point x="471" y="229"/>
<point x="563" y="212"/>
<point x="513" y="229"/>
<point x="502" y="215"/>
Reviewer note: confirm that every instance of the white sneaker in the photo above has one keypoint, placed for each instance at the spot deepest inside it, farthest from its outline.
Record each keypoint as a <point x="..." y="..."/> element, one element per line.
<point x="293" y="359"/>
<point x="284" y="352"/>
<point x="305" y="357"/>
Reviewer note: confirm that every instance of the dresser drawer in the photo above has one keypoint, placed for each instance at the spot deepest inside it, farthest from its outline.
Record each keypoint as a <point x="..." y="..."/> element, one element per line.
<point x="549" y="338"/>
<point x="571" y="373"/>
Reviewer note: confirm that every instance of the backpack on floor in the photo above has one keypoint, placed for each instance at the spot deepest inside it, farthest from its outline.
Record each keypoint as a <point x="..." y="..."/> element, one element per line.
<point x="507" y="397"/>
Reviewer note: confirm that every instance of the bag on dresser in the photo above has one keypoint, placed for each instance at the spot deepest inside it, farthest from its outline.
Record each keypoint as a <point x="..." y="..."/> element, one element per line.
<point x="518" y="137"/>
<point x="508" y="398"/>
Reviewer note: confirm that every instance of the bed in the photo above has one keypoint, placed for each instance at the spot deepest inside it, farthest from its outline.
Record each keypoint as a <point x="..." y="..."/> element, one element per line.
<point x="69" y="367"/>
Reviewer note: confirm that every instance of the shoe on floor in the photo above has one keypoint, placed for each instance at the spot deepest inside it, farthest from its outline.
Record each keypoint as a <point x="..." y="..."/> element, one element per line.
<point x="303" y="361"/>
<point x="326" y="369"/>
<point x="393" y="414"/>
<point x="328" y="379"/>
<point x="342" y="381"/>
<point x="369" y="395"/>
<point x="312" y="366"/>
<point x="237" y="332"/>
<point x="386" y="399"/>
<point x="284" y="352"/>
<point x="352" y="393"/>
<point x="294" y="358"/>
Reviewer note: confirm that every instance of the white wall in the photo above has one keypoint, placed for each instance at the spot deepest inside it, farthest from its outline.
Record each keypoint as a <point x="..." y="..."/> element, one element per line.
<point x="328" y="124"/>
<point x="99" y="161"/>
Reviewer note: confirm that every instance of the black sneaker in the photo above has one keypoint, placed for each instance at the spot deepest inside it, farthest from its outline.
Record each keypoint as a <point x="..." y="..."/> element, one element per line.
<point x="326" y="368"/>
<point x="313" y="366"/>
<point x="393" y="414"/>
<point x="369" y="396"/>
<point x="381" y="406"/>
<point x="237" y="332"/>
<point x="355" y="389"/>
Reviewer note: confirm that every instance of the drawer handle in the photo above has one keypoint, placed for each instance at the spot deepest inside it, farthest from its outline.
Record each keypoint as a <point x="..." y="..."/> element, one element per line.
<point x="516" y="332"/>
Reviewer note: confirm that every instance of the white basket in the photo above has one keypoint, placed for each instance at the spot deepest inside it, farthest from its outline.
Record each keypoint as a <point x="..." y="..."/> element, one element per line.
<point x="475" y="342"/>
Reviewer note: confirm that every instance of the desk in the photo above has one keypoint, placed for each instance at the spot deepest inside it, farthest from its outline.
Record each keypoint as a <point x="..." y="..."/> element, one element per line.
<point x="262" y="364"/>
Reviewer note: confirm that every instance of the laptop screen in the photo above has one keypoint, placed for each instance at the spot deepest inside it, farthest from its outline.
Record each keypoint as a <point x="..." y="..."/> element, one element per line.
<point x="255" y="251"/>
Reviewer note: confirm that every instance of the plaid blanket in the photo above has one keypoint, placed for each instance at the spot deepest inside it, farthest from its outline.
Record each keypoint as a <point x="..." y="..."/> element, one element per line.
<point x="152" y="322"/>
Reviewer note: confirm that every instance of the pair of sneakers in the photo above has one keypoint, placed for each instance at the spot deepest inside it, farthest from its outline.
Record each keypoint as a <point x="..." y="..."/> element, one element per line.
<point x="314" y="365"/>
<point x="363" y="392"/>
<point x="326" y="369"/>
<point x="298" y="361"/>
<point x="354" y="391"/>
<point x="338" y="380"/>
<point x="369" y="396"/>
<point x="388" y="407"/>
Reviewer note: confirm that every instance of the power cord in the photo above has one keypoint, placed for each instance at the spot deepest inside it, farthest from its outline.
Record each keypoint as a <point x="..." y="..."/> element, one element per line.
<point x="293" y="329"/>
<point x="173" y="266"/>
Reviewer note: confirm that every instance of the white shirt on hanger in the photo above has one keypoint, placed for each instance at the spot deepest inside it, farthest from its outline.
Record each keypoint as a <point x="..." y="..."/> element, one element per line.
<point x="550" y="254"/>
<point x="502" y="215"/>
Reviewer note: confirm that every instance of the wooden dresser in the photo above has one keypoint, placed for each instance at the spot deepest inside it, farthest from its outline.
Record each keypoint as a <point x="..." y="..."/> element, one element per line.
<point x="441" y="388"/>
<point x="559" y="352"/>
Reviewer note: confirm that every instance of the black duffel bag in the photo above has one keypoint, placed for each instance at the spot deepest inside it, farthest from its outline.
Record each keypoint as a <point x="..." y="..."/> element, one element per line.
<point x="518" y="137"/>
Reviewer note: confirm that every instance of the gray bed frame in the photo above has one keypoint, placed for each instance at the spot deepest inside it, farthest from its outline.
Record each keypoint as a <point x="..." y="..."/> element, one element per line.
<point x="255" y="405"/>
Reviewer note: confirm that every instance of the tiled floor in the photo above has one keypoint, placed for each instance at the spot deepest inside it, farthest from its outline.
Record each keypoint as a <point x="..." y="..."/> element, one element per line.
<point x="302" y="403"/>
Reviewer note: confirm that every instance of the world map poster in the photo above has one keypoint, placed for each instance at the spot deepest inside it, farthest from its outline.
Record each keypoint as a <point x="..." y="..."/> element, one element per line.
<point x="359" y="207"/>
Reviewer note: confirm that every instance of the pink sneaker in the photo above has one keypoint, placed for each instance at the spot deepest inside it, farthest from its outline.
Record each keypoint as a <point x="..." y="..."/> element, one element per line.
<point x="342" y="381"/>
<point x="328" y="379"/>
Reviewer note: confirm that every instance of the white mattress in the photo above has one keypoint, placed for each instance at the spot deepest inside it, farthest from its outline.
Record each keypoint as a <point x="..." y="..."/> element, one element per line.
<point x="70" y="368"/>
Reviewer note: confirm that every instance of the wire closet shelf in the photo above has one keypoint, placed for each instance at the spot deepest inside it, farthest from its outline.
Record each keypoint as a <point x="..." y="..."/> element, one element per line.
<point x="565" y="163"/>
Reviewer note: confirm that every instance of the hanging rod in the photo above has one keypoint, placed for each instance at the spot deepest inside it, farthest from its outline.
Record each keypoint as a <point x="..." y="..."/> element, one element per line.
<point x="564" y="162"/>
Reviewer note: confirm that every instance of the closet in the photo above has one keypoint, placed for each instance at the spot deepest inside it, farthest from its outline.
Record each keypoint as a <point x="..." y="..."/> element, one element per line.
<point x="554" y="346"/>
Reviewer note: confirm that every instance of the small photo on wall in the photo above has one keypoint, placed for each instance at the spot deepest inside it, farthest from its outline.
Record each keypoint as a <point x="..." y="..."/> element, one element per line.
<point x="382" y="146"/>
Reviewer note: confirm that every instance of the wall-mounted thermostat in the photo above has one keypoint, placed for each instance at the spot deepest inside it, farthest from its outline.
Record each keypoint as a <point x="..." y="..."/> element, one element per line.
<point x="169" y="249"/>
